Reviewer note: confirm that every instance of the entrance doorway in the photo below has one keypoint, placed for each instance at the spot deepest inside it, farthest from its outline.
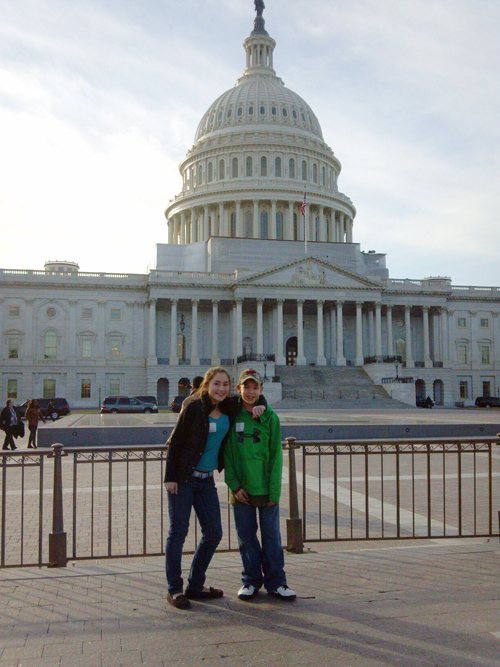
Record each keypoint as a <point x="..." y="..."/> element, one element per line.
<point x="438" y="392"/>
<point x="183" y="387"/>
<point x="420" y="390"/>
<point x="162" y="391"/>
<point x="291" y="351"/>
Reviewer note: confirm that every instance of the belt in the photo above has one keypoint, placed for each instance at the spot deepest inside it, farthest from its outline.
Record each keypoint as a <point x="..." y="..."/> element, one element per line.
<point x="203" y="475"/>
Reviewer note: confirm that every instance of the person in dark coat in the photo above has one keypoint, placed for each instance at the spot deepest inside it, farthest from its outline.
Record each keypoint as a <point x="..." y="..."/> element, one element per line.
<point x="9" y="421"/>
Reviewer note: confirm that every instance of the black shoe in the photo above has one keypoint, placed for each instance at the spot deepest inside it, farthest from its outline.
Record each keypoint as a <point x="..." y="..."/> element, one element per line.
<point x="179" y="601"/>
<point x="205" y="594"/>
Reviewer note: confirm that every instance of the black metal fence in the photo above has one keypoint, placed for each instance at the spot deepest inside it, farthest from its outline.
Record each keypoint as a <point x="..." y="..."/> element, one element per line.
<point x="105" y="502"/>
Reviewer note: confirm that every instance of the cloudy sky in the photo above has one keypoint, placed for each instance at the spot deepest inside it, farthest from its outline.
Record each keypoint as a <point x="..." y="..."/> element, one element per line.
<point x="100" y="99"/>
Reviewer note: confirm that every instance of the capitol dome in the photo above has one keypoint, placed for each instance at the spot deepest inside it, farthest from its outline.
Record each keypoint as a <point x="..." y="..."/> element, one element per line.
<point x="258" y="147"/>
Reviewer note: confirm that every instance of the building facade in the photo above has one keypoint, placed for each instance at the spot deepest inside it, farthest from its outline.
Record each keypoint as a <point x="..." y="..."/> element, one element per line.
<point x="245" y="277"/>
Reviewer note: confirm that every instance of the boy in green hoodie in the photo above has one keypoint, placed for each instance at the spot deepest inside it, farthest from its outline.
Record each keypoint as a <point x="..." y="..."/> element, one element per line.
<point x="253" y="468"/>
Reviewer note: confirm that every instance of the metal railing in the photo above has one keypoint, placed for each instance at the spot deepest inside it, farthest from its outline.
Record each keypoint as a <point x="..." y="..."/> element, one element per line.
<point x="104" y="502"/>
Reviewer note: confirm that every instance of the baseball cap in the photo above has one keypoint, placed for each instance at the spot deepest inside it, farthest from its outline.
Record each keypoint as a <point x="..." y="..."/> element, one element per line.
<point x="250" y="374"/>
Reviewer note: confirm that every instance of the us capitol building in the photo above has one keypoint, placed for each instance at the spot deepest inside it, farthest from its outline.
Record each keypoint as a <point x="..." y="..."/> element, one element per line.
<point x="245" y="278"/>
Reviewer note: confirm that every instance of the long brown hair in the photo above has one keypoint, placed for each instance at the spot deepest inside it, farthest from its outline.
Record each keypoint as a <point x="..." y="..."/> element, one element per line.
<point x="203" y="388"/>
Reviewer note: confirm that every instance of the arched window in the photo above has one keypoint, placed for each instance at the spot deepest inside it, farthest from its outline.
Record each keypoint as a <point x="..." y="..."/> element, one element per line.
<point x="232" y="231"/>
<point x="294" y="114"/>
<point x="263" y="166"/>
<point x="323" y="176"/>
<point x="274" y="111"/>
<point x="315" y="173"/>
<point x="250" y="110"/>
<point x="401" y="348"/>
<point x="249" y="166"/>
<point x="291" y="168"/>
<point x="248" y="224"/>
<point x="200" y="171"/>
<point x="284" y="112"/>
<point x="317" y="228"/>
<point x="234" y="172"/>
<point x="264" y="225"/>
<point x="262" y="110"/>
<point x="210" y="172"/>
<point x="181" y="347"/>
<point x="222" y="170"/>
<point x="50" y="345"/>
<point x="279" y="225"/>
<point x="240" y="111"/>
<point x="277" y="167"/>
<point x="304" y="170"/>
<point x="295" y="227"/>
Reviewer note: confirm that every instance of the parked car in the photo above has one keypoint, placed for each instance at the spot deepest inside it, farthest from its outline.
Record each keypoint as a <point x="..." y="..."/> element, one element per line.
<point x="487" y="402"/>
<point x="177" y="403"/>
<point x="147" y="399"/>
<point x="60" y="407"/>
<point x="126" y="404"/>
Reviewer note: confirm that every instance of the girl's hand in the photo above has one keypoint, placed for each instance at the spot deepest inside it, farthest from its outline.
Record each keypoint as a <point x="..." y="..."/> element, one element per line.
<point x="171" y="487"/>
<point x="242" y="496"/>
<point x="257" y="411"/>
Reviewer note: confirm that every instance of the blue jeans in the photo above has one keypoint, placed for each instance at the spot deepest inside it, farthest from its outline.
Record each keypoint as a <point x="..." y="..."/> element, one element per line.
<point x="202" y="495"/>
<point x="261" y="565"/>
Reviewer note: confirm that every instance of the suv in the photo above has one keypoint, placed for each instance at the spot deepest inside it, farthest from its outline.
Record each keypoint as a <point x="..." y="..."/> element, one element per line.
<point x="147" y="399"/>
<point x="487" y="402"/>
<point x="125" y="404"/>
<point x="60" y="407"/>
<point x="177" y="402"/>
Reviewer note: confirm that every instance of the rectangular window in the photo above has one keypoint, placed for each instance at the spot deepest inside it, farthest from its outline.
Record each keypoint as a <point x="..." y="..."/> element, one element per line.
<point x="49" y="388"/>
<point x="11" y="388"/>
<point x="461" y="322"/>
<point x="14" y="311"/>
<point x="114" y="387"/>
<point x="462" y="354"/>
<point x="116" y="314"/>
<point x="86" y="349"/>
<point x="50" y="345"/>
<point x="87" y="313"/>
<point x="464" y="389"/>
<point x="485" y="354"/>
<point x="484" y="323"/>
<point x="486" y="388"/>
<point x="13" y="348"/>
<point x="85" y="389"/>
<point x="114" y="352"/>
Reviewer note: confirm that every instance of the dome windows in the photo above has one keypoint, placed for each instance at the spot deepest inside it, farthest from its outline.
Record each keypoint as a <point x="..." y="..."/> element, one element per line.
<point x="262" y="110"/>
<point x="249" y="167"/>
<point x="274" y="111"/>
<point x="240" y="111"/>
<point x="263" y="166"/>
<point x="294" y="114"/>
<point x="315" y="173"/>
<point x="234" y="168"/>
<point x="303" y="116"/>
<point x="291" y="167"/>
<point x="210" y="176"/>
<point x="284" y="111"/>
<point x="277" y="167"/>
<point x="304" y="170"/>
<point x="250" y="110"/>
<point x="222" y="170"/>
<point x="229" y="113"/>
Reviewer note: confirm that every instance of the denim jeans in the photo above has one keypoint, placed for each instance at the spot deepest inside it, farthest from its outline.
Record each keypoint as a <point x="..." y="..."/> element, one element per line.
<point x="202" y="495"/>
<point x="261" y="565"/>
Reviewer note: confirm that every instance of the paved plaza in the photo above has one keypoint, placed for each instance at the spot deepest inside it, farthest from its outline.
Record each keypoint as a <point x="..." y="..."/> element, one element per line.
<point x="415" y="604"/>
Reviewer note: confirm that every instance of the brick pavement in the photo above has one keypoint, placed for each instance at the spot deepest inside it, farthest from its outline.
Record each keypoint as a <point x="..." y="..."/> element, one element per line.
<point x="414" y="604"/>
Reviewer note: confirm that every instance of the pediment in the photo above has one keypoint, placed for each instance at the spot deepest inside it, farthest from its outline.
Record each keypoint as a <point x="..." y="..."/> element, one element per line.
<point x="310" y="272"/>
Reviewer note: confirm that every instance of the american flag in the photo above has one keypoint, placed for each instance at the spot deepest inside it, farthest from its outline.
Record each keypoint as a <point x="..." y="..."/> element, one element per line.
<point x="303" y="207"/>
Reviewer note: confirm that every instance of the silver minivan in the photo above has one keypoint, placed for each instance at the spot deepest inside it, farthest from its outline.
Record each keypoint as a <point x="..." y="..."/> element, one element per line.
<point x="116" y="404"/>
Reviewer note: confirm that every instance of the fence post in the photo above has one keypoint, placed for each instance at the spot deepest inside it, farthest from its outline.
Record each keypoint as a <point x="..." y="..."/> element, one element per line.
<point x="294" y="541"/>
<point x="58" y="556"/>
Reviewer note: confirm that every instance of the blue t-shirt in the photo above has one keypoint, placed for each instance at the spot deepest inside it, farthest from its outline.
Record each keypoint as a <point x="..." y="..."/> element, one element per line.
<point x="217" y="432"/>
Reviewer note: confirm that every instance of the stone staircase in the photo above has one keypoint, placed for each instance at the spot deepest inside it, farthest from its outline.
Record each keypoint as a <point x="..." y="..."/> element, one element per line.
<point x="332" y="387"/>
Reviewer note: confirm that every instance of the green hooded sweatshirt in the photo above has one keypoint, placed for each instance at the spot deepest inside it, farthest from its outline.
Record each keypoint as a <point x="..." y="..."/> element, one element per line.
<point x="253" y="456"/>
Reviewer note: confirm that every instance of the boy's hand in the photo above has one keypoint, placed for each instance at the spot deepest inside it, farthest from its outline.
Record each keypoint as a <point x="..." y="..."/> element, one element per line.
<point x="242" y="496"/>
<point x="257" y="411"/>
<point x="171" y="487"/>
<point x="271" y="504"/>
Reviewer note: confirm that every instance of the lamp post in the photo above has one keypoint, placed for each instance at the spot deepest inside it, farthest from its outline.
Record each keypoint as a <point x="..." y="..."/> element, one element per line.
<point x="265" y="372"/>
<point x="396" y="363"/>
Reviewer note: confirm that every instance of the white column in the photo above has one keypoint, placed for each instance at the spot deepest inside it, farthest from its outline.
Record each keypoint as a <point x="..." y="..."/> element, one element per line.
<point x="239" y="221"/>
<point x="301" y="360"/>
<point x="359" y="334"/>
<point x="333" y="335"/>
<point x="280" y="357"/>
<point x="349" y="230"/>
<point x="436" y="337"/>
<point x="322" y="224"/>
<point x="195" y="359"/>
<point x="215" y="333"/>
<point x="170" y="225"/>
<point x="409" y="356"/>
<point x="29" y="332"/>
<point x="174" y="359"/>
<point x="272" y="223"/>
<point x="289" y="223"/>
<point x="331" y="229"/>
<point x="139" y="330"/>
<point x="206" y="214"/>
<point x="183" y="227"/>
<point x="321" y="359"/>
<point x="378" y="330"/>
<point x="152" y="332"/>
<point x="340" y="335"/>
<point x="256" y="221"/>
<point x="427" y="345"/>
<point x="239" y="327"/>
<point x="444" y="336"/>
<point x="260" y="327"/>
<point x="222" y="221"/>
<point x="72" y="330"/>
<point x="371" y="333"/>
<point x="101" y="329"/>
<point x="390" y="343"/>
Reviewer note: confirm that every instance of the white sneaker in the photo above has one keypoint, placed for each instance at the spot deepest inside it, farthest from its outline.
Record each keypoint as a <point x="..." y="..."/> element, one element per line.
<point x="284" y="593"/>
<point x="246" y="592"/>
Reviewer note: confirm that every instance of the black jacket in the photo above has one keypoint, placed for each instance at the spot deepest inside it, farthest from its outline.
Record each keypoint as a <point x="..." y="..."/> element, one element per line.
<point x="6" y="418"/>
<point x="188" y="440"/>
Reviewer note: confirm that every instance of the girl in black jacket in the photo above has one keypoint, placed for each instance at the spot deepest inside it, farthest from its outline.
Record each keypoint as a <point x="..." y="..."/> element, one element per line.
<point x="195" y="450"/>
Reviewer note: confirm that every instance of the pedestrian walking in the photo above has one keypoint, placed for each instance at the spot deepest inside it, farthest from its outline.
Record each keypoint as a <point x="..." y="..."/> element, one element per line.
<point x="195" y="450"/>
<point x="254" y="466"/>
<point x="33" y="415"/>
<point x="51" y="411"/>
<point x="9" y="421"/>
